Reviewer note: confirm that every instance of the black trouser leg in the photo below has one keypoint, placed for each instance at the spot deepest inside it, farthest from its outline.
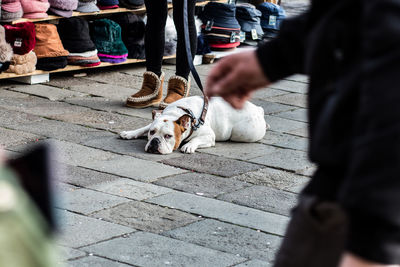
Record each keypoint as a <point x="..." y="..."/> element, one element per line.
<point x="182" y="66"/>
<point x="157" y="11"/>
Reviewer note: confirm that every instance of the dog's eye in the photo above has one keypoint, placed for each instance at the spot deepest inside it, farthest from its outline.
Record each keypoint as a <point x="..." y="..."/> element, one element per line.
<point x="152" y="132"/>
<point x="167" y="136"/>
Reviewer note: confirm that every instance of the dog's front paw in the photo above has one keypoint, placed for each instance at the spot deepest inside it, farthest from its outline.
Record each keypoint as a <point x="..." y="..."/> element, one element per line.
<point x="127" y="135"/>
<point x="188" y="148"/>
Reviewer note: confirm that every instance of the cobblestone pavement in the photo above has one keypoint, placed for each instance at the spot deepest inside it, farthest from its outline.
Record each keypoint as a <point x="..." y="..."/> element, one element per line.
<point x="222" y="206"/>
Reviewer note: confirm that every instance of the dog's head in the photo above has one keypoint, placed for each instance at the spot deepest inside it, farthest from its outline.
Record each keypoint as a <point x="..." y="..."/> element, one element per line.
<point x="165" y="134"/>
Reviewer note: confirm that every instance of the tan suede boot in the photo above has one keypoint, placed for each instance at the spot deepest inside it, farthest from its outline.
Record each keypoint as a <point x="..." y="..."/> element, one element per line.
<point x="150" y="94"/>
<point x="178" y="87"/>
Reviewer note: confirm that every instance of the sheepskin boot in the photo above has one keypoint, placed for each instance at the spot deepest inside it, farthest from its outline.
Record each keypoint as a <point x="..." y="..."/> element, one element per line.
<point x="178" y="87"/>
<point x="150" y="94"/>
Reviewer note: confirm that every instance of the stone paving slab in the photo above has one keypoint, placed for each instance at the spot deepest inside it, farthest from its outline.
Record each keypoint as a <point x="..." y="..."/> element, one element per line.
<point x="62" y="130"/>
<point x="83" y="177"/>
<point x="134" y="148"/>
<point x="69" y="253"/>
<point x="146" y="217"/>
<point x="297" y="77"/>
<point x="272" y="107"/>
<point x="263" y="198"/>
<point x="254" y="263"/>
<point x="93" y="261"/>
<point x="116" y="78"/>
<point x="78" y="230"/>
<point x="229" y="238"/>
<point x="290" y="86"/>
<point x="268" y="92"/>
<point x="302" y="132"/>
<point x="86" y="201"/>
<point x="64" y="80"/>
<point x="283" y="125"/>
<point x="11" y="119"/>
<point x="110" y="105"/>
<point x="134" y="168"/>
<point x="285" y="141"/>
<point x="224" y="211"/>
<point x="286" y="159"/>
<point x="146" y="249"/>
<point x="49" y="92"/>
<point x="131" y="189"/>
<point x="9" y="138"/>
<point x="299" y="114"/>
<point x="275" y="178"/>
<point x="102" y="120"/>
<point x="201" y="184"/>
<point x="240" y="151"/>
<point x="294" y="100"/>
<point x="212" y="164"/>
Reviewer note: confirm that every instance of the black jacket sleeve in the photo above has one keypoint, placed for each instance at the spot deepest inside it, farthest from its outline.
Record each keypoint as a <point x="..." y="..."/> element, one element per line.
<point x="284" y="56"/>
<point x="371" y="193"/>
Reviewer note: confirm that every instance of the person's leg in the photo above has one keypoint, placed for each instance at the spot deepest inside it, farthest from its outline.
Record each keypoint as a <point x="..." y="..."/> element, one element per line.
<point x="182" y="66"/>
<point x="153" y="79"/>
<point x="157" y="11"/>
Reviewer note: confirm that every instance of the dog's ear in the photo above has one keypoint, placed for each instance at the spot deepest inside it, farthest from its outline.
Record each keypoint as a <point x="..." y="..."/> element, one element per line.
<point x="155" y="113"/>
<point x="184" y="121"/>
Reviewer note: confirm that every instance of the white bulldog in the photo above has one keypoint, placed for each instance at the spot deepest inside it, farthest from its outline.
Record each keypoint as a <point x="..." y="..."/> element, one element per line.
<point x="174" y="126"/>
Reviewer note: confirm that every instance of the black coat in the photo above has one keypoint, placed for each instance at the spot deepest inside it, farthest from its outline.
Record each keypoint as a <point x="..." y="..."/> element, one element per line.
<point x="351" y="52"/>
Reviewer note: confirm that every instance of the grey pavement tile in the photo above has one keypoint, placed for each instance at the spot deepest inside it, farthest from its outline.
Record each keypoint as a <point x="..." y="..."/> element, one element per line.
<point x="9" y="138"/>
<point x="146" y="249"/>
<point x="146" y="217"/>
<point x="224" y="211"/>
<point x="66" y="253"/>
<point x="62" y="130"/>
<point x="255" y="263"/>
<point x="283" y="125"/>
<point x="134" y="148"/>
<point x="302" y="132"/>
<point x="110" y="91"/>
<point x="66" y="81"/>
<point x="83" y="177"/>
<point x="134" y="168"/>
<point x="285" y="141"/>
<point x="272" y="107"/>
<point x="263" y="198"/>
<point x="297" y="77"/>
<point x="275" y="178"/>
<point x="268" y="92"/>
<point x="130" y="189"/>
<point x="110" y="105"/>
<point x="287" y="159"/>
<point x="237" y="240"/>
<point x="294" y="99"/>
<point x="11" y="154"/>
<point x="201" y="184"/>
<point x="12" y="119"/>
<point x="93" y="261"/>
<point x="290" y="86"/>
<point x="241" y="151"/>
<point x="86" y="201"/>
<point x="103" y="120"/>
<point x="35" y="105"/>
<point x="299" y="114"/>
<point x="49" y="92"/>
<point x="116" y="78"/>
<point x="212" y="164"/>
<point x="78" y="230"/>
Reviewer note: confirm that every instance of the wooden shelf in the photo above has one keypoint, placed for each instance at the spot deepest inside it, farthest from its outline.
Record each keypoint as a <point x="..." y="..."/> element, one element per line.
<point x="101" y="12"/>
<point x="73" y="68"/>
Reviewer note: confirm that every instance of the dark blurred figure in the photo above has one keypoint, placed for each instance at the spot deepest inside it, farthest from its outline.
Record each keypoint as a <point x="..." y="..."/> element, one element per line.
<point x="349" y="214"/>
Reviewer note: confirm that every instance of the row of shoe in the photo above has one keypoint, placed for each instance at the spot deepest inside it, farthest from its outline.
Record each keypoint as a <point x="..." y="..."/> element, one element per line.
<point x="11" y="10"/>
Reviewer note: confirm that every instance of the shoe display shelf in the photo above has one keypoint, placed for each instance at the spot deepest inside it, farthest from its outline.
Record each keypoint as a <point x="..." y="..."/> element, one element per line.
<point x="40" y="76"/>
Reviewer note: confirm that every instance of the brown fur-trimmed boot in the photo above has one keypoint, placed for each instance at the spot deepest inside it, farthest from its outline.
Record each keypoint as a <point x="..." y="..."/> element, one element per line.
<point x="178" y="87"/>
<point x="150" y="94"/>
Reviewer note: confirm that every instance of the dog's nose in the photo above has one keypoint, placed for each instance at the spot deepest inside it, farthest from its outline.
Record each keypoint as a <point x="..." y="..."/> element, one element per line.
<point x="154" y="145"/>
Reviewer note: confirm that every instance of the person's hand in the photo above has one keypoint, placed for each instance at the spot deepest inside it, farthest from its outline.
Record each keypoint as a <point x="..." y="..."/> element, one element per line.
<point x="235" y="78"/>
<point x="350" y="260"/>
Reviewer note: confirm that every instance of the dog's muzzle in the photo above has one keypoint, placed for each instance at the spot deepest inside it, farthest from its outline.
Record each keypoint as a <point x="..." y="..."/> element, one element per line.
<point x="154" y="146"/>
